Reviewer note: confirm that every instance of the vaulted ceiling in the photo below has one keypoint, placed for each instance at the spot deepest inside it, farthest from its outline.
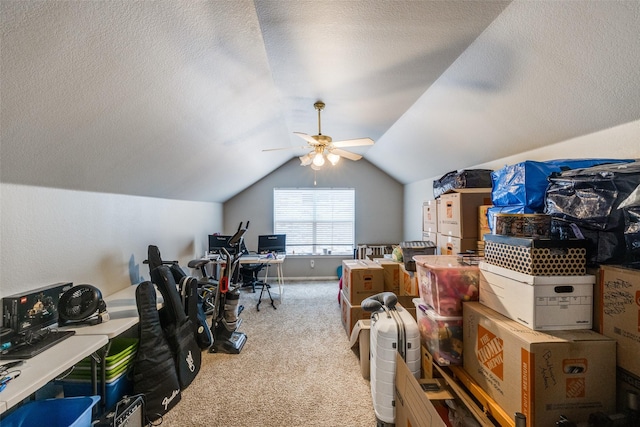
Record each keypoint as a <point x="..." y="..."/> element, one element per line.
<point x="178" y="99"/>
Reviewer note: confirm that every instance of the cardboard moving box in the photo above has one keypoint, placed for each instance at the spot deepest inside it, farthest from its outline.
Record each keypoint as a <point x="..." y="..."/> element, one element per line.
<point x="542" y="375"/>
<point x="391" y="274"/>
<point x="360" y="279"/>
<point x="350" y="314"/>
<point x="458" y="212"/>
<point x="619" y="313"/>
<point x="430" y="215"/>
<point x="416" y="407"/>
<point x="451" y="245"/>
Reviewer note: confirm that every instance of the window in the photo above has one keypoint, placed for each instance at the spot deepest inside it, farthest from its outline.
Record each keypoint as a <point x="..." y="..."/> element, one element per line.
<point x="315" y="220"/>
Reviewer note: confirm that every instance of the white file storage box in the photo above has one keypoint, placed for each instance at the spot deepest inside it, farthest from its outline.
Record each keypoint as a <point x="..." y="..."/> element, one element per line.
<point x="538" y="302"/>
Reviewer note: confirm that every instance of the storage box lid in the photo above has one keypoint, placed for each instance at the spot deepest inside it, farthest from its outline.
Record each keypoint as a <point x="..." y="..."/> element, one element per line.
<point x="585" y="279"/>
<point x="417" y="244"/>
<point x="535" y="243"/>
<point x="441" y="261"/>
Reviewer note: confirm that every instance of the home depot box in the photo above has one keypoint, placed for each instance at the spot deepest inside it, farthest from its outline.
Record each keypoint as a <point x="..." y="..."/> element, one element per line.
<point x="458" y="212"/>
<point x="430" y="215"/>
<point x="538" y="302"/>
<point x="408" y="282"/>
<point x="361" y="278"/>
<point x="415" y="406"/>
<point x="620" y="313"/>
<point x="450" y="245"/>
<point x="541" y="374"/>
<point x="391" y="273"/>
<point x="350" y="314"/>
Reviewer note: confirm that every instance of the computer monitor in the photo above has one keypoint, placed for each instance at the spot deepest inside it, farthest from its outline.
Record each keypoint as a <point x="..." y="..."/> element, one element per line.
<point x="217" y="242"/>
<point x="272" y="243"/>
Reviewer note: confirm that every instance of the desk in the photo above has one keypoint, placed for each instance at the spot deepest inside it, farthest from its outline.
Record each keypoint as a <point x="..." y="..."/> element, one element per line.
<point x="46" y="366"/>
<point x="123" y="315"/>
<point x="261" y="259"/>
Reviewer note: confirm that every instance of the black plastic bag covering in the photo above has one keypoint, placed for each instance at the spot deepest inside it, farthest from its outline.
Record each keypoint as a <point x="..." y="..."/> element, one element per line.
<point x="464" y="178"/>
<point x="525" y="183"/>
<point x="591" y="197"/>
<point x="632" y="231"/>
<point x="603" y="247"/>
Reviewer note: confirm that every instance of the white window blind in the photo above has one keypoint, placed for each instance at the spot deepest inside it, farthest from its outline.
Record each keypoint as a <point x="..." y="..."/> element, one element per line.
<point x="315" y="220"/>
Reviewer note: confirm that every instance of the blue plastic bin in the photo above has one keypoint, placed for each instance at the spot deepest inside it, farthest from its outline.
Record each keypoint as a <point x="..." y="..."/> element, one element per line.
<point x="65" y="412"/>
<point x="115" y="389"/>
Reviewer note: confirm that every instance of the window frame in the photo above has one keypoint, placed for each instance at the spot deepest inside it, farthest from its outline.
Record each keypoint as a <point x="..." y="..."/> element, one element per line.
<point x="329" y="212"/>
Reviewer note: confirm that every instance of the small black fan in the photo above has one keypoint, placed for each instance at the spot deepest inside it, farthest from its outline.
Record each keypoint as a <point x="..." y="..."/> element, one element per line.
<point x="82" y="304"/>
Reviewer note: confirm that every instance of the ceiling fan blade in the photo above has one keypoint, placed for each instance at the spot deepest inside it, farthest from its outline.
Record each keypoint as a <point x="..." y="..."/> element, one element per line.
<point x="286" y="148"/>
<point x="353" y="142"/>
<point x="306" y="137"/>
<point x="346" y="154"/>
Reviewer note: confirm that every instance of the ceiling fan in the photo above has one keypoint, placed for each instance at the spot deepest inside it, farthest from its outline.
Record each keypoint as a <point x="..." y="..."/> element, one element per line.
<point x="323" y="146"/>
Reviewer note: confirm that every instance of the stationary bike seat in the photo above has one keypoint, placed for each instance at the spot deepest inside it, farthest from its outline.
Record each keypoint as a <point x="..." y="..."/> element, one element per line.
<point x="198" y="263"/>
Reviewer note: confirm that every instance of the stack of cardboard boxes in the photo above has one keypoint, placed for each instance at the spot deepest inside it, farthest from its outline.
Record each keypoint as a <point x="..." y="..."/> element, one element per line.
<point x="361" y="278"/>
<point x="528" y="342"/>
<point x="451" y="221"/>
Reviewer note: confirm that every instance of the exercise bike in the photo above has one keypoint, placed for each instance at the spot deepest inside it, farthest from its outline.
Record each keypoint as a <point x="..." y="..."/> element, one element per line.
<point x="225" y="318"/>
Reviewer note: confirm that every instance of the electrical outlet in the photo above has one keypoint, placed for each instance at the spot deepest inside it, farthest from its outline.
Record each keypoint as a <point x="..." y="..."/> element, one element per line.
<point x="313" y="263"/>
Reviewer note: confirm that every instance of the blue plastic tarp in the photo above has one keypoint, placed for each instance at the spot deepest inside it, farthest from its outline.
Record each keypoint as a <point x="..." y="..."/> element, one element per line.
<point x="524" y="184"/>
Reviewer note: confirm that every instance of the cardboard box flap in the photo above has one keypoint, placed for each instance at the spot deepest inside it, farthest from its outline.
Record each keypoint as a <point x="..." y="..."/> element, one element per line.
<point x="361" y="264"/>
<point x="361" y="324"/>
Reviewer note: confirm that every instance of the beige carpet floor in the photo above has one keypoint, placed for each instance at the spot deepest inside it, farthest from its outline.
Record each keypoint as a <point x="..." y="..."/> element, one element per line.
<point x="296" y="368"/>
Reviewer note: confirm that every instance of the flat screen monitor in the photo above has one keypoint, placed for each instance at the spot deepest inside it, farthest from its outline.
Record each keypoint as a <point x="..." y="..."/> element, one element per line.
<point x="217" y="242"/>
<point x="272" y="243"/>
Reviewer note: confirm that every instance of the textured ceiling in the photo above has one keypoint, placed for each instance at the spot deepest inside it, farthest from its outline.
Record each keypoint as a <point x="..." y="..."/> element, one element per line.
<point x="177" y="99"/>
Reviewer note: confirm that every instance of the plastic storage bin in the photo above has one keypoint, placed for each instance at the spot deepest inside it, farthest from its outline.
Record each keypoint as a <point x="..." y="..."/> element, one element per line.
<point x="115" y="389"/>
<point x="66" y="412"/>
<point x="444" y="283"/>
<point x="118" y="360"/>
<point x="417" y="247"/>
<point x="441" y="335"/>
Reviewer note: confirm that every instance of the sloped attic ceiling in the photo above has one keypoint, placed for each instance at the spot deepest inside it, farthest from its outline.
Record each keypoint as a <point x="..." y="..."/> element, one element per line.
<point x="177" y="99"/>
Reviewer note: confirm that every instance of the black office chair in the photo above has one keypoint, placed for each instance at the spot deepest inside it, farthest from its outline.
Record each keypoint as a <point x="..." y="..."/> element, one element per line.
<point x="249" y="273"/>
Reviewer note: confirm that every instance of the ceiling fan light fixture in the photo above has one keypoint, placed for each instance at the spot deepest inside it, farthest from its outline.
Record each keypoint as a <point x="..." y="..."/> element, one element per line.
<point x="305" y="160"/>
<point x="315" y="167"/>
<point x="333" y="158"/>
<point x="318" y="159"/>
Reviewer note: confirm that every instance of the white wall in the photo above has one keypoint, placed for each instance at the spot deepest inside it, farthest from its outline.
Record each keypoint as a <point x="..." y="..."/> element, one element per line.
<point x="51" y="235"/>
<point x="620" y="142"/>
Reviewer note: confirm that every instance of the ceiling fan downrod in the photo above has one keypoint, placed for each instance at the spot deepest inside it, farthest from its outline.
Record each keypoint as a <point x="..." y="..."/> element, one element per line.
<point x="319" y="105"/>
